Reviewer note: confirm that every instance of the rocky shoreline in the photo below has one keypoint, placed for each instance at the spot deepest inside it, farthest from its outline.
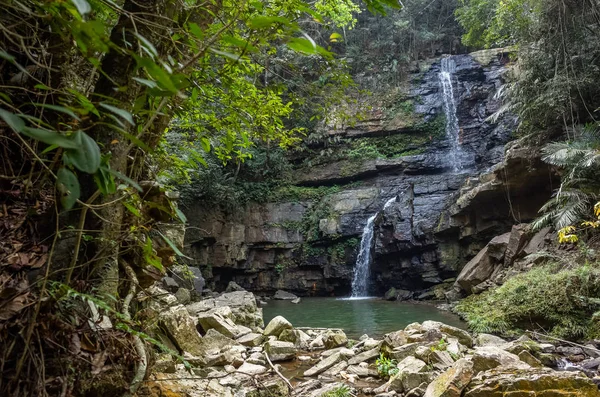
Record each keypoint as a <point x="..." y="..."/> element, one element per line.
<point x="227" y="351"/>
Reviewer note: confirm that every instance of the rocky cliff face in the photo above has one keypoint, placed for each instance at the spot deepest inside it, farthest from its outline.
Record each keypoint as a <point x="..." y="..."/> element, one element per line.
<point x="423" y="238"/>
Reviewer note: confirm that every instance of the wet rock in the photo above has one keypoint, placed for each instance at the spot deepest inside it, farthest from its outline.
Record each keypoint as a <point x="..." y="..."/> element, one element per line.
<point x="453" y="381"/>
<point x="532" y="382"/>
<point x="280" y="351"/>
<point x="276" y="326"/>
<point x="295" y="301"/>
<point x="283" y="295"/>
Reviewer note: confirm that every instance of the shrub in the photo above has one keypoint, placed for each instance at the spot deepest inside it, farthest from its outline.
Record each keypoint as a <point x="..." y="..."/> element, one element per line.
<point x="386" y="367"/>
<point x="340" y="391"/>
<point x="563" y="302"/>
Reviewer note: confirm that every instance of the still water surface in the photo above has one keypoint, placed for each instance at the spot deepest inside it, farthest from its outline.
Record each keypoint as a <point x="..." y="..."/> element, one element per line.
<point x="374" y="317"/>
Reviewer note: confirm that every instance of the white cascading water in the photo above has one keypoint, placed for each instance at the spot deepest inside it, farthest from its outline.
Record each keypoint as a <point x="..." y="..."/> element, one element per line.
<point x="452" y="128"/>
<point x="360" y="281"/>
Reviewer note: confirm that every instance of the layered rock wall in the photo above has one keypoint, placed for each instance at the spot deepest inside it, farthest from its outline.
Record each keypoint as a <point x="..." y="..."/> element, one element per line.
<point x="440" y="219"/>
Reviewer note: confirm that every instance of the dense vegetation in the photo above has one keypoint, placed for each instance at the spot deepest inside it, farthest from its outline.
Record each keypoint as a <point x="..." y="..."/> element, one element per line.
<point x="88" y="91"/>
<point x="557" y="97"/>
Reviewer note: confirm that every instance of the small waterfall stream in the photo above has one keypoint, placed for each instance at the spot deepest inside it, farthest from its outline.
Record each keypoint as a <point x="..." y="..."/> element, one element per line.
<point x="360" y="281"/>
<point x="452" y="128"/>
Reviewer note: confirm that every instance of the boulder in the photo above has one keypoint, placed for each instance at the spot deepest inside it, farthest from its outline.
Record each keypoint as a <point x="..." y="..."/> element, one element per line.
<point x="170" y="284"/>
<point x="336" y="369"/>
<point x="323" y="365"/>
<point x="518" y="238"/>
<point x="497" y="247"/>
<point x="400" y="353"/>
<point x="181" y="329"/>
<point x="251" y="369"/>
<point x="217" y="349"/>
<point x="542" y="382"/>
<point x="251" y="340"/>
<point x="283" y="295"/>
<point x="335" y="338"/>
<point x="280" y="351"/>
<point x="183" y="296"/>
<point x="489" y="357"/>
<point x="297" y="337"/>
<point x="390" y="294"/>
<point x="476" y="271"/>
<point x="537" y="241"/>
<point x="463" y="336"/>
<point x="189" y="277"/>
<point x="412" y="372"/>
<point x="242" y="305"/>
<point x="452" y="382"/>
<point x="295" y="301"/>
<point x="214" y="319"/>
<point x="489" y="340"/>
<point x="364" y="356"/>
<point x="276" y="326"/>
<point x="233" y="287"/>
<point x="361" y="371"/>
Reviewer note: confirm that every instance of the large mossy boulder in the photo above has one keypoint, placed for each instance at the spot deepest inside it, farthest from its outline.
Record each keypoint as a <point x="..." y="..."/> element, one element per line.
<point x="335" y="338"/>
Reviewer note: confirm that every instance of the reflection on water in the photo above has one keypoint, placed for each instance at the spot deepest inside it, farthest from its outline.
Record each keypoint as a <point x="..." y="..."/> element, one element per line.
<point x="374" y="317"/>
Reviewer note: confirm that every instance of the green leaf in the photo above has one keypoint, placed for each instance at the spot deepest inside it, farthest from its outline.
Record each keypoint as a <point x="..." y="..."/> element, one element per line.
<point x="86" y="157"/>
<point x="205" y="142"/>
<point x="260" y="22"/>
<point x="59" y="108"/>
<point x="238" y="42"/>
<point x="104" y="180"/>
<point x="335" y="37"/>
<point x="146" y="82"/>
<point x="126" y="179"/>
<point x="50" y="137"/>
<point x="173" y="246"/>
<point x="132" y="209"/>
<point x="83" y="7"/>
<point x="226" y="54"/>
<point x="302" y="45"/>
<point x="195" y="30"/>
<point x="147" y="44"/>
<point x="150" y="257"/>
<point x="68" y="186"/>
<point x="180" y="215"/>
<point x="13" y="121"/>
<point x="7" y="56"/>
<point x="119" y="112"/>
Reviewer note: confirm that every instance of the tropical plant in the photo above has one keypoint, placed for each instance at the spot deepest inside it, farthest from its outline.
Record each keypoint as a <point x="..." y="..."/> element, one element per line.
<point x="579" y="163"/>
<point x="386" y="367"/>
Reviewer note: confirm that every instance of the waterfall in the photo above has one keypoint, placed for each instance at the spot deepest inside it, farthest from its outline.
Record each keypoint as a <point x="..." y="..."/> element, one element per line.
<point x="360" y="281"/>
<point x="452" y="128"/>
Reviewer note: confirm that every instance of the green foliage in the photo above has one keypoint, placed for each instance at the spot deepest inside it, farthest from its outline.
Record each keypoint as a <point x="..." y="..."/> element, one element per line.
<point x="340" y="391"/>
<point x="561" y="301"/>
<point x="579" y="161"/>
<point x="386" y="367"/>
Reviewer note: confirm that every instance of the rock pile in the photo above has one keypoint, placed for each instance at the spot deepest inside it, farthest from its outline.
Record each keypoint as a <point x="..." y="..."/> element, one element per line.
<point x="230" y="354"/>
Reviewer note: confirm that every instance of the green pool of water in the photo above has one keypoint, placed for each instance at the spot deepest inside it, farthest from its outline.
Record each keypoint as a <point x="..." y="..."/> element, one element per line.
<point x="374" y="317"/>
